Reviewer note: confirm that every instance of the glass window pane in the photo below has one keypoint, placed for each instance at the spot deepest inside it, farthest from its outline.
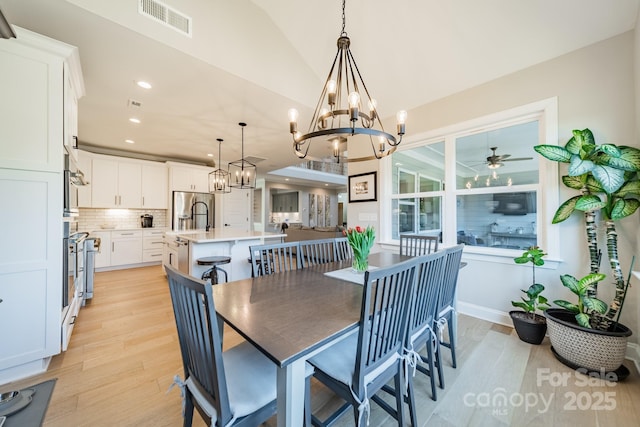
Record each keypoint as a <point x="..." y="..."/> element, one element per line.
<point x="426" y="163"/>
<point x="430" y="213"/>
<point x="498" y="158"/>
<point x="499" y="220"/>
<point x="417" y="215"/>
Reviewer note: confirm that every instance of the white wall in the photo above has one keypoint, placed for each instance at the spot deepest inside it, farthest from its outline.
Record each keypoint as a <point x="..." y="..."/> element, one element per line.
<point x="595" y="89"/>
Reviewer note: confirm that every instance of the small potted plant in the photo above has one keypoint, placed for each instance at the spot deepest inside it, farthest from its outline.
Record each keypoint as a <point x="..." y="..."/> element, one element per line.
<point x="530" y="326"/>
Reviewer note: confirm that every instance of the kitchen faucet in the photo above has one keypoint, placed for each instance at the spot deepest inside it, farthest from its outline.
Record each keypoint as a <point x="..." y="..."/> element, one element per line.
<point x="193" y="214"/>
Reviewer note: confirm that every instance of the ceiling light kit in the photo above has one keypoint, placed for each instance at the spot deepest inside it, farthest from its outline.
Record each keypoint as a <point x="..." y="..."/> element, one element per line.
<point x="345" y="94"/>
<point x="242" y="172"/>
<point x="219" y="179"/>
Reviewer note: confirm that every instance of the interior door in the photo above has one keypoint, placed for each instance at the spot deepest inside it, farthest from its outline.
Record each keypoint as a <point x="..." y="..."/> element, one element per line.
<point x="236" y="208"/>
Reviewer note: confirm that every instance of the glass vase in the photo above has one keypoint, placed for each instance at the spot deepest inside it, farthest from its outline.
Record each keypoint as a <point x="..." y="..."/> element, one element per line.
<point x="360" y="263"/>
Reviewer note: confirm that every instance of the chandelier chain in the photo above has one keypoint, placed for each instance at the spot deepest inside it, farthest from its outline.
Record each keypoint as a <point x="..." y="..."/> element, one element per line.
<point x="344" y="19"/>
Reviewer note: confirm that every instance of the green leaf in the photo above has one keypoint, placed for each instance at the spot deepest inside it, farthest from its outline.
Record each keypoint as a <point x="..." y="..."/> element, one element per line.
<point x="575" y="182"/>
<point x="611" y="179"/>
<point x="570" y="283"/>
<point x="521" y="305"/>
<point x="591" y="279"/>
<point x="628" y="160"/>
<point x="595" y="304"/>
<point x="610" y="149"/>
<point x="553" y="152"/>
<point x="535" y="290"/>
<point x="589" y="203"/>
<point x="629" y="188"/>
<point x="567" y="305"/>
<point x="542" y="300"/>
<point x="584" y="136"/>
<point x="593" y="185"/>
<point x="565" y="210"/>
<point x="521" y="260"/>
<point x="622" y="208"/>
<point x="578" y="166"/>
<point x="583" y="320"/>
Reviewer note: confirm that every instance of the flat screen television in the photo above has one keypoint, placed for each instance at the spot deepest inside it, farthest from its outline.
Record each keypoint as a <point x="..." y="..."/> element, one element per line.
<point x="514" y="203"/>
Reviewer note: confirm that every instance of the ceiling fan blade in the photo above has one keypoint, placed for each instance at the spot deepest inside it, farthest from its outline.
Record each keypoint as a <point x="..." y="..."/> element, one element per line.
<point x="502" y="157"/>
<point x="517" y="159"/>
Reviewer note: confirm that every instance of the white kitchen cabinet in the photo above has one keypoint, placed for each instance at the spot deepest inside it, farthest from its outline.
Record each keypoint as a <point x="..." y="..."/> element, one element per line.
<point x="116" y="184"/>
<point x="152" y="243"/>
<point x="188" y="177"/>
<point x="103" y="256"/>
<point x="33" y="85"/>
<point x="70" y="114"/>
<point x="170" y="252"/>
<point x="126" y="247"/>
<point x="154" y="186"/>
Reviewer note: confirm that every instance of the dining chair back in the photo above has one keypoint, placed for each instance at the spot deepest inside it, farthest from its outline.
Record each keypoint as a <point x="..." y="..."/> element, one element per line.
<point x="319" y="251"/>
<point x="446" y="300"/>
<point x="360" y="365"/>
<point x="275" y="258"/>
<point x="418" y="244"/>
<point x="343" y="250"/>
<point x="236" y="387"/>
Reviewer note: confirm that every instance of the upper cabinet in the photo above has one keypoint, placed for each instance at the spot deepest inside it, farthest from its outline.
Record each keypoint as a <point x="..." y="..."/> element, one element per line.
<point x="40" y="81"/>
<point x="188" y="177"/>
<point x="84" y="192"/>
<point x="154" y="186"/>
<point x="116" y="184"/>
<point x="123" y="183"/>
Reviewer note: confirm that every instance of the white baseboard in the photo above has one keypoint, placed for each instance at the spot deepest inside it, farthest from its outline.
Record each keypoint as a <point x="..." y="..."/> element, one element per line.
<point x="503" y="318"/>
<point x="484" y="313"/>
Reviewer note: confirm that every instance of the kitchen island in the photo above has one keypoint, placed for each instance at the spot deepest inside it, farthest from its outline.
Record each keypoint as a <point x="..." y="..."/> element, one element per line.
<point x="235" y="243"/>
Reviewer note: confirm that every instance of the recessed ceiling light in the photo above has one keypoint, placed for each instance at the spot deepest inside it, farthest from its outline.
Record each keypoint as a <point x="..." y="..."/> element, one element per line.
<point x="144" y="85"/>
<point x="134" y="120"/>
<point x="286" y="179"/>
<point x="209" y="155"/>
<point x="326" y="185"/>
<point x="129" y="141"/>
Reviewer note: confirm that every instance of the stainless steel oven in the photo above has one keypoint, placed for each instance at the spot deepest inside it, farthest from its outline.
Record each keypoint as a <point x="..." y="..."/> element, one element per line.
<point x="73" y="178"/>
<point x="72" y="263"/>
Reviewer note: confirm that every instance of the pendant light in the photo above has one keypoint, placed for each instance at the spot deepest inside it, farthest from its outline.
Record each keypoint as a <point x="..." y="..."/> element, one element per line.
<point x="345" y="108"/>
<point x="242" y="173"/>
<point x="219" y="178"/>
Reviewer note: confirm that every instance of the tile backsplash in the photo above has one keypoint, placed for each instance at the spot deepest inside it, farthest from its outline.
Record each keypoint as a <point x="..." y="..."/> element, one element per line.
<point x="93" y="219"/>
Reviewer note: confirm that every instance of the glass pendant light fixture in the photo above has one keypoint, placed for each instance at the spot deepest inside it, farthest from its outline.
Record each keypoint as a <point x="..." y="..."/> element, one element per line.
<point x="345" y="108"/>
<point x="219" y="179"/>
<point x="242" y="173"/>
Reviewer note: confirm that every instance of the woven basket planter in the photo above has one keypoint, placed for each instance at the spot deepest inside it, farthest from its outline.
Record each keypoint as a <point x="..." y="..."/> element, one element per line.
<point x="588" y="348"/>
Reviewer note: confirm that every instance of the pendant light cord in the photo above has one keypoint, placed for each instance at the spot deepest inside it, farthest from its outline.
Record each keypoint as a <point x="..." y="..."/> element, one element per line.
<point x="343" y="33"/>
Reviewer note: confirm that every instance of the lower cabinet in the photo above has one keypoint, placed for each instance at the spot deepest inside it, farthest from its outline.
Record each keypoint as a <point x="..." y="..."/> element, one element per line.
<point x="124" y="248"/>
<point x="152" y="242"/>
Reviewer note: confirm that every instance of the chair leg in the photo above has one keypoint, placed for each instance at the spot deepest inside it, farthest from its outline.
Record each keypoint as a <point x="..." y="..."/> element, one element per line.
<point x="188" y="409"/>
<point x="307" y="402"/>
<point x="399" y="396"/>
<point x="432" y="376"/>
<point x="453" y="328"/>
<point x="438" y="361"/>
<point x="411" y="401"/>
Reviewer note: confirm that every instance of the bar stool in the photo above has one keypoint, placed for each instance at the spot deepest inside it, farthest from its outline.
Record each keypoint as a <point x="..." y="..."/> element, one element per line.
<point x="214" y="262"/>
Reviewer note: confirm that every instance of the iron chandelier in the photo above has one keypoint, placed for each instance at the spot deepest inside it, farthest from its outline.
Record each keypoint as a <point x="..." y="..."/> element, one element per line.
<point x="343" y="114"/>
<point x="242" y="172"/>
<point x="219" y="179"/>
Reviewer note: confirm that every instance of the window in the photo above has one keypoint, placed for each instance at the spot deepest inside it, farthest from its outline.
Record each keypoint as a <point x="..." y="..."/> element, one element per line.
<point x="476" y="183"/>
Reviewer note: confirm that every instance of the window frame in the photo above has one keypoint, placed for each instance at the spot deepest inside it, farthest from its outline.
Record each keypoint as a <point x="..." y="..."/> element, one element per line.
<point x="546" y="112"/>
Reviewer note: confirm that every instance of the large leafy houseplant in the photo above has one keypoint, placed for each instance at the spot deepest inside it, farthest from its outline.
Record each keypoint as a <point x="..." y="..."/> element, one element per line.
<point x="607" y="177"/>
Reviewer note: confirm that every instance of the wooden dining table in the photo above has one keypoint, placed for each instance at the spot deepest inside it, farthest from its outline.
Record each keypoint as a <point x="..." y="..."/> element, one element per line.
<point x="292" y="316"/>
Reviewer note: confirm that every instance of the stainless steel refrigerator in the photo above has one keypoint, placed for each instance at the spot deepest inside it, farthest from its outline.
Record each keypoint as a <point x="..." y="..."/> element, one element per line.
<point x="192" y="211"/>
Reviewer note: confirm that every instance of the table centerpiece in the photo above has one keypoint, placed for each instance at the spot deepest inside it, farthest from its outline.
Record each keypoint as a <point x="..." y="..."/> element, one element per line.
<point x="361" y="240"/>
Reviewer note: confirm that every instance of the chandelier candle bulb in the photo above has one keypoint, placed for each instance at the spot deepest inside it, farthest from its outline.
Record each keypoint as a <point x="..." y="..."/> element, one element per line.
<point x="331" y="92"/>
<point x="293" y="120"/>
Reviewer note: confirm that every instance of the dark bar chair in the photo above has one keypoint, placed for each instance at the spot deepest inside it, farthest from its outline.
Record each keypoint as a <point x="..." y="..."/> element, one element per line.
<point x="214" y="272"/>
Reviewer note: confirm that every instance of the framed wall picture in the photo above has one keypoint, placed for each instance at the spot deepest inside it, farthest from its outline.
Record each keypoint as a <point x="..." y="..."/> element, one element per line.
<point x="363" y="187"/>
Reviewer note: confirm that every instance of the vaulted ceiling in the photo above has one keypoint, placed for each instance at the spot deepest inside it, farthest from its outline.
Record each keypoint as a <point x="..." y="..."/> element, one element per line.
<point x="252" y="60"/>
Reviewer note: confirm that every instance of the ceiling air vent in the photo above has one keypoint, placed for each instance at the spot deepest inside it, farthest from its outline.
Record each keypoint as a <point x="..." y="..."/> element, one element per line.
<point x="168" y="16"/>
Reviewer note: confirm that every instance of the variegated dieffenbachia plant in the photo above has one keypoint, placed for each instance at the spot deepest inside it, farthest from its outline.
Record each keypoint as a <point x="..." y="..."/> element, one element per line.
<point x="608" y="179"/>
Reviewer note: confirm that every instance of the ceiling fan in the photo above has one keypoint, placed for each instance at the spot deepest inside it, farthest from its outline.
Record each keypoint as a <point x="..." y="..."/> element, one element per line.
<point x="494" y="161"/>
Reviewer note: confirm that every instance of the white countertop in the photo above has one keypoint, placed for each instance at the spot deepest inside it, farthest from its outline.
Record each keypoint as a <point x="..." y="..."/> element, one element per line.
<point x="222" y="235"/>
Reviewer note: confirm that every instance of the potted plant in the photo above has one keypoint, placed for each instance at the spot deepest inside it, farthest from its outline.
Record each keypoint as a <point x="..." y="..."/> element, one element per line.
<point x="607" y="177"/>
<point x="529" y="325"/>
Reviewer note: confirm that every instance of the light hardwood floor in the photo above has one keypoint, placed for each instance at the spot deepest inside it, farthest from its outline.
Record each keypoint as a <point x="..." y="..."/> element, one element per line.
<point x="124" y="354"/>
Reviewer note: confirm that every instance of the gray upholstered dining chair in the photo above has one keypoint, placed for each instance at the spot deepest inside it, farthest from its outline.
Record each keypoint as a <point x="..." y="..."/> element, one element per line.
<point x="274" y="258"/>
<point x="318" y="251"/>
<point x="360" y="365"/>
<point x="235" y="387"/>
<point x="418" y="244"/>
<point x="446" y="300"/>
<point x="343" y="250"/>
